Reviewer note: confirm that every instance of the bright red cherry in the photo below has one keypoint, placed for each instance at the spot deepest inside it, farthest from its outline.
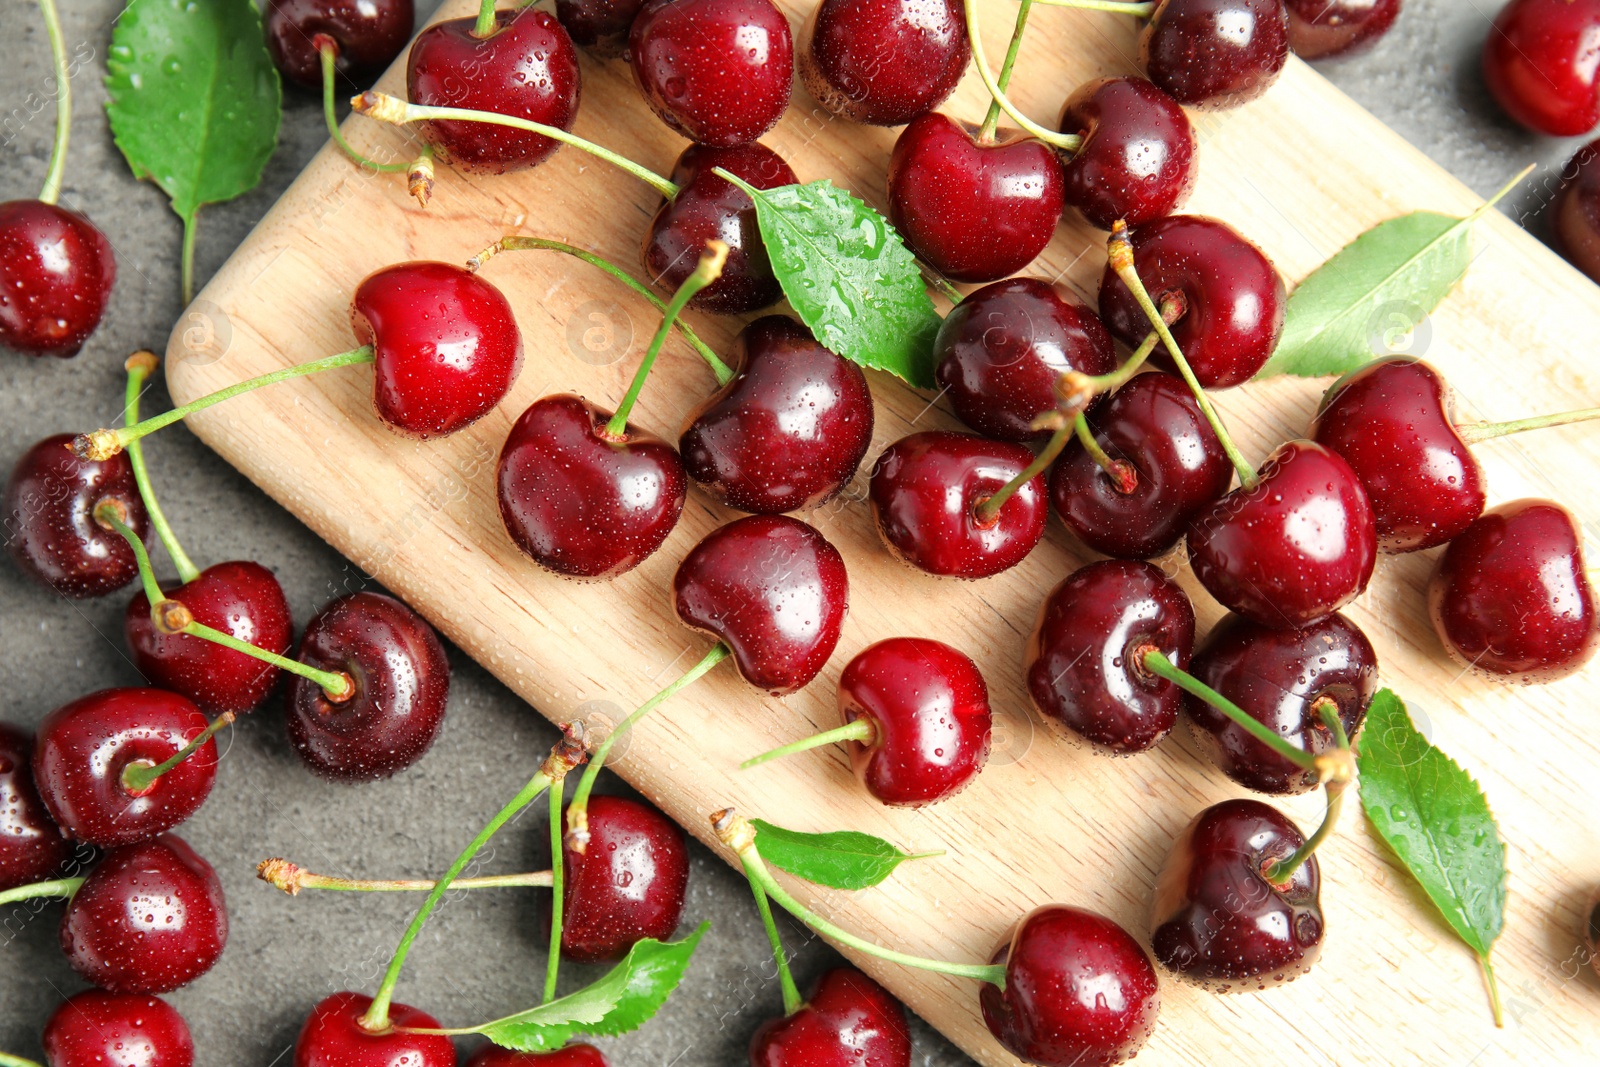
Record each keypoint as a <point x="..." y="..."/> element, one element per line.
<point x="600" y="26"/>
<point x="31" y="848"/>
<point x="401" y="678"/>
<point x="56" y="274"/>
<point x="772" y="589"/>
<point x="628" y="884"/>
<point x="85" y="747"/>
<point x="1541" y="60"/>
<point x="571" y="1056"/>
<point x="971" y="210"/>
<point x="1325" y="29"/>
<point x="334" y="1037"/>
<point x="1294" y="549"/>
<point x="848" y="1021"/>
<point x="1002" y="350"/>
<point x="1575" y="212"/>
<point x="1139" y="159"/>
<point x="1233" y="297"/>
<point x="845" y="43"/>
<point x="99" y="1029"/>
<point x="1218" y="921"/>
<point x="527" y="69"/>
<point x="717" y="71"/>
<point x="788" y="431"/>
<point x="367" y="34"/>
<point x="50" y="525"/>
<point x="1080" y="992"/>
<point x="1511" y="597"/>
<point x="1215" y="53"/>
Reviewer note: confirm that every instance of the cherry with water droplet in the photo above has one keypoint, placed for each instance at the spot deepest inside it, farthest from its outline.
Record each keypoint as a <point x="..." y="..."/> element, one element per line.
<point x="99" y="1029"/>
<point x="1329" y="29"/>
<point x="56" y="274"/>
<point x="844" y="45"/>
<point x="334" y="1037"/>
<point x="1215" y="53"/>
<point x="366" y="35"/>
<point x="1539" y="63"/>
<point x="570" y="1056"/>
<point x="1139" y="158"/>
<point x="32" y="849"/>
<point x="848" y="1021"/>
<point x="628" y="883"/>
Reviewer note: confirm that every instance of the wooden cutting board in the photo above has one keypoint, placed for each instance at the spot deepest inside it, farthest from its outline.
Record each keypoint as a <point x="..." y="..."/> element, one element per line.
<point x="1301" y="171"/>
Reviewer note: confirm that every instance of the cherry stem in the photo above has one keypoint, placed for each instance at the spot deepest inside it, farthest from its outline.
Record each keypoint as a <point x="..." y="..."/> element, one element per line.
<point x="56" y="887"/>
<point x="486" y="20"/>
<point x="1154" y="661"/>
<point x="1472" y="433"/>
<point x="1124" y="478"/>
<point x="987" y="510"/>
<point x="138" y="777"/>
<point x="1115" y="7"/>
<point x="552" y="967"/>
<point x="1494" y="991"/>
<point x="722" y="372"/>
<point x="780" y="958"/>
<point x="1173" y="306"/>
<point x="385" y="108"/>
<point x="186" y="260"/>
<point x="292" y="878"/>
<point x="8" y="1060"/>
<point x="855" y="730"/>
<point x="58" y="59"/>
<point x="992" y="119"/>
<point x="939" y="282"/>
<point x="1067" y="142"/>
<point x="328" y="48"/>
<point x="1280" y="871"/>
<point x="140" y="366"/>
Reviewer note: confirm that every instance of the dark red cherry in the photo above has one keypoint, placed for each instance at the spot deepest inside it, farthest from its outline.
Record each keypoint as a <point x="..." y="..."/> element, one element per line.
<point x="1139" y="159"/>
<point x="627" y="885"/>
<point x="711" y="207"/>
<point x="1296" y="548"/>
<point x="972" y="211"/>
<point x="1085" y="660"/>
<point x="239" y="598"/>
<point x="368" y="35"/>
<point x="99" y="1029"/>
<point x="1003" y="348"/>
<point x="149" y="919"/>
<point x="580" y="503"/>
<point x="571" y="1056"/>
<point x="1324" y="29"/>
<point x="1218" y="921"/>
<point x="1080" y="992"/>
<point x="1511" y="597"/>
<point x="1575" y="212"/>
<point x="56" y="274"/>
<point x="773" y="590"/>
<point x="1279" y="678"/>
<point x="601" y="27"/>
<point x="447" y="346"/>
<point x="1232" y="295"/>
<point x="788" y="431"/>
<point x="1393" y="421"/>
<point x="1539" y="61"/>
<point x="31" y="848"/>
<point x="925" y="493"/>
<point x="334" y="1037"/>
<point x="717" y="71"/>
<point x="845" y="44"/>
<point x="84" y="747"/>
<point x="50" y="524"/>
<point x="402" y="681"/>
<point x="929" y="711"/>
<point x="1215" y="53"/>
<point x="848" y="1021"/>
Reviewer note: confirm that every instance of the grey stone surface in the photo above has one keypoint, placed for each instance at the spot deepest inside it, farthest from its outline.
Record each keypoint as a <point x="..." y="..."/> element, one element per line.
<point x="482" y="955"/>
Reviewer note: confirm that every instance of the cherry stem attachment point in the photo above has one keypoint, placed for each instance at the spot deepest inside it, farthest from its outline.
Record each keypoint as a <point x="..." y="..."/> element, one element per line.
<point x="1472" y="433"/>
<point x="1280" y="871"/>
<point x="780" y="958"/>
<point x="140" y="776"/>
<point x="58" y="61"/>
<point x="292" y="878"/>
<point x="1139" y="10"/>
<point x="1124" y="477"/>
<point x="486" y="20"/>
<point x="1156" y="662"/>
<point x="140" y="366"/>
<point x="856" y="730"/>
<point x="992" y="119"/>
<point x="985" y="511"/>
<point x="56" y="887"/>
<point x="1337" y="770"/>
<point x="552" y="969"/>
<point x="328" y="49"/>
<point x="1066" y="142"/>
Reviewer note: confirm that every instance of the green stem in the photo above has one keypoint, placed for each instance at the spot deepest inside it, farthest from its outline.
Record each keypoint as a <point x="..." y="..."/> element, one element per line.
<point x="1494" y="991"/>
<point x="1065" y="141"/>
<point x="58" y="59"/>
<point x="486" y="20"/>
<point x="140" y="365"/>
<point x="57" y="887"/>
<point x="186" y="269"/>
<point x="1115" y="7"/>
<point x="109" y="514"/>
<point x="292" y="879"/>
<point x="337" y="685"/>
<point x="780" y="959"/>
<point x="992" y="119"/>
<point x="329" y="51"/>
<point x="1160" y="666"/>
<point x="8" y="1060"/>
<point x="1124" y="477"/>
<point x="951" y="293"/>
<point x="987" y="510"/>
<point x="552" y="967"/>
<point x="1280" y="871"/>
<point x="856" y="730"/>
<point x="138" y="777"/>
<point x="1473" y="433"/>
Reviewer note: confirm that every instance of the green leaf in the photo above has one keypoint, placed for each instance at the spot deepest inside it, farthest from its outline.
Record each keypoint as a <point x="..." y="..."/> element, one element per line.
<point x="624" y="999"/>
<point x="843" y="859"/>
<point x="848" y="276"/>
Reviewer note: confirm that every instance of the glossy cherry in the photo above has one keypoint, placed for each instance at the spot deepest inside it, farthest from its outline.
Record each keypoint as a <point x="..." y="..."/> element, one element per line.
<point x="717" y="71"/>
<point x="56" y="274"/>
<point x="772" y="589"/>
<point x="1233" y="297"/>
<point x="570" y="1056"/>
<point x="1575" y="212"/>
<point x="627" y="885"/>
<point x="1511" y="598"/>
<point x="1003" y="348"/>
<point x="600" y="26"/>
<point x="1294" y="549"/>
<point x="1139" y="158"/>
<point x="973" y="211"/>
<point x="1325" y="29"/>
<point x="402" y="681"/>
<point x="1218" y="921"/>
<point x="99" y="1029"/>
<point x="883" y="62"/>
<point x="1080" y="991"/>
<point x="848" y="1021"/>
<point x="334" y="1037"/>
<point x="1279" y="677"/>
<point x="1215" y="53"/>
<point x="31" y="848"/>
<point x="788" y="431"/>
<point x="50" y="525"/>
<point x="1539" y="62"/>
<point x="367" y="35"/>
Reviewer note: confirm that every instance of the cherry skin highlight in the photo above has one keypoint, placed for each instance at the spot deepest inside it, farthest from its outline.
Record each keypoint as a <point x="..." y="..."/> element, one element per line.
<point x="1327" y="29"/>
<point x="368" y="35"/>
<point x="31" y="848"/>
<point x="571" y="1056"/>
<point x="848" y="1021"/>
<point x="1139" y="159"/>
<point x="598" y="26"/>
<point x="844" y="44"/>
<point x="1574" y="214"/>
<point x="99" y="1029"/>
<point x="1215" y="53"/>
<point x="56" y="274"/>
<point x="1539" y="63"/>
<point x="334" y="1037"/>
<point x="628" y="885"/>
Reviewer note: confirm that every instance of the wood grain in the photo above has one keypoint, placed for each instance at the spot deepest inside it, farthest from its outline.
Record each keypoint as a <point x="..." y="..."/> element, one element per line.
<point x="1302" y="172"/>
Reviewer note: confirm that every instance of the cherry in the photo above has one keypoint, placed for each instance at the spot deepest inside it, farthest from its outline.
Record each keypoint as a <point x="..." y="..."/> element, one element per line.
<point x="601" y="26"/>
<point x="50" y="525"/>
<point x="1295" y="548"/>
<point x="1539" y="62"/>
<point x="926" y="491"/>
<point x="367" y="35"/>
<point x="773" y="590"/>
<point x="1511" y="597"/>
<point x="1003" y="348"/>
<point x="56" y="274"/>
<point x="717" y="71"/>
<point x="1079" y="992"/>
<point x="883" y="62"/>
<point x="1218" y="921"/>
<point x="1232" y="295"/>
<point x="788" y="431"/>
<point x="1575" y="211"/>
<point x="31" y="848"/>
<point x="1324" y="29"/>
<point x="1139" y="158"/>
<point x="571" y="1056"/>
<point x="974" y="211"/>
<point x="334" y="1037"/>
<point x="1215" y="53"/>
<point x="628" y="883"/>
<point x="90" y="751"/>
<point x="99" y="1029"/>
<point x="848" y="1021"/>
<point x="401" y="679"/>
<point x="526" y="68"/>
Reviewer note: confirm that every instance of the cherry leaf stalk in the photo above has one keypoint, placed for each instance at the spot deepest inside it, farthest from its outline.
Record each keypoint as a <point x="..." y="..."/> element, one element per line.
<point x="843" y="859"/>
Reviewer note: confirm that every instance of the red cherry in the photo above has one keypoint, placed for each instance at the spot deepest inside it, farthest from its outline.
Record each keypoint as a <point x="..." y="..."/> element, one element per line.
<point x="1139" y="159"/>
<point x="627" y="885"/>
<point x="99" y="1029"/>
<point x="1511" y="597"/>
<point x="773" y="590"/>
<point x="56" y="274"/>
<point x="601" y="27"/>
<point x="848" y="1021"/>
<point x="401" y="679"/>
<point x="31" y="848"/>
<point x="1325" y="29"/>
<point x="1080" y="992"/>
<point x="334" y="1037"/>
<point x="788" y="431"/>
<point x="1541" y="60"/>
<point x="844" y="45"/>
<point x="1215" y="53"/>
<point x="84" y="747"/>
<point x="447" y="349"/>
<point x="368" y="35"/>
<point x="973" y="211"/>
<point x="1575" y="211"/>
<point x="717" y="71"/>
<point x="50" y="524"/>
<point x="527" y="69"/>
<point x="571" y="1056"/>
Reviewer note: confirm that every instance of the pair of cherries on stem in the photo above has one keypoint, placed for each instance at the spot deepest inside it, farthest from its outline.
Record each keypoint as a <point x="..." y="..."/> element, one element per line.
<point x="94" y="1028"/>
